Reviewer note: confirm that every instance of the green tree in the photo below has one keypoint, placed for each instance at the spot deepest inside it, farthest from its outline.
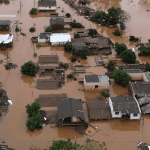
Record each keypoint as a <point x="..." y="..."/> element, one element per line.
<point x="68" y="47"/>
<point x="119" y="48"/>
<point x="117" y="33"/>
<point x="49" y="29"/>
<point x="33" y="109"/>
<point x="68" y="15"/>
<point x="121" y="77"/>
<point x="145" y="52"/>
<point x="92" y="32"/>
<point x="73" y="58"/>
<point x="111" y="65"/>
<point x="70" y="76"/>
<point x="83" y="54"/>
<point x="34" y="122"/>
<point x="128" y="56"/>
<point x="33" y="11"/>
<point x="147" y="66"/>
<point x="29" y="68"/>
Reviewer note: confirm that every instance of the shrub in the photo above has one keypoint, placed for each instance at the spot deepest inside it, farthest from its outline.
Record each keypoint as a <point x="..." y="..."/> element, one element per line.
<point x="33" y="109"/>
<point x="145" y="52"/>
<point x="119" y="48"/>
<point x="128" y="56"/>
<point x="117" y="33"/>
<point x="105" y="93"/>
<point x="70" y="76"/>
<point x="68" y="47"/>
<point x="92" y="32"/>
<point x="29" y="68"/>
<point x="49" y="29"/>
<point x="64" y="65"/>
<point x="87" y="13"/>
<point x="111" y="65"/>
<point x="132" y="38"/>
<point x="83" y="54"/>
<point x="73" y="58"/>
<point x="121" y="77"/>
<point x="38" y="45"/>
<point x="33" y="11"/>
<point x="76" y="35"/>
<point x="147" y="66"/>
<point x="68" y="15"/>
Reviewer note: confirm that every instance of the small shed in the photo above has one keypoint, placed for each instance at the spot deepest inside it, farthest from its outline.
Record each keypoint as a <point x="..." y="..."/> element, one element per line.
<point x="44" y="37"/>
<point x="57" y="23"/>
<point x="96" y="82"/>
<point x="70" y="112"/>
<point x="98" y="109"/>
<point x="4" y="25"/>
<point x="60" y="38"/>
<point x="47" y="4"/>
<point x="124" y="107"/>
<point x="43" y="59"/>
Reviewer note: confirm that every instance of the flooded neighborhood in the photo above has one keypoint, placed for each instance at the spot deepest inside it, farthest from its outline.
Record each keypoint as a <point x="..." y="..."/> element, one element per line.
<point x="64" y="73"/>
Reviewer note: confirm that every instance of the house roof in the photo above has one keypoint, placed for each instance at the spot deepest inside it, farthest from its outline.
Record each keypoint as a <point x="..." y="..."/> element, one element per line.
<point x="60" y="37"/>
<point x="44" y="35"/>
<point x="6" y="38"/>
<point x="147" y="74"/>
<point x="132" y="70"/>
<point x="70" y="107"/>
<point x="4" y="22"/>
<point x="79" y="46"/>
<point x="146" y="109"/>
<point x="48" y="59"/>
<point x="96" y="79"/>
<point x="147" y="45"/>
<point x="125" y="104"/>
<point x="78" y="40"/>
<point x="132" y="66"/>
<point x="57" y="20"/>
<point x="141" y="88"/>
<point x="46" y="3"/>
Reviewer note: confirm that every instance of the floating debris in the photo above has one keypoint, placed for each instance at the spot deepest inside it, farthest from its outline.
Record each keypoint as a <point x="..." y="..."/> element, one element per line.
<point x="10" y="102"/>
<point x="23" y="34"/>
<point x="32" y="29"/>
<point x="10" y="65"/>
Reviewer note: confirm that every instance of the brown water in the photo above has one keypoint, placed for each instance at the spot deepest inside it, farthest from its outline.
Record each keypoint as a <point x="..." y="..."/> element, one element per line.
<point x="21" y="89"/>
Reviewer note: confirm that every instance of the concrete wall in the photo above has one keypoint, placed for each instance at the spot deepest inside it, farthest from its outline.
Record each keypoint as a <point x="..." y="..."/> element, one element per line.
<point x="136" y="76"/>
<point x="47" y="8"/>
<point x="91" y="86"/>
<point x="135" y="117"/>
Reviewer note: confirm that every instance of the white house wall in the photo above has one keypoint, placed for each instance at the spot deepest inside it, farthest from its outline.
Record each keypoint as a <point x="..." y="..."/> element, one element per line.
<point x="47" y="8"/>
<point x="41" y="40"/>
<point x="135" y="117"/>
<point x="112" y="111"/>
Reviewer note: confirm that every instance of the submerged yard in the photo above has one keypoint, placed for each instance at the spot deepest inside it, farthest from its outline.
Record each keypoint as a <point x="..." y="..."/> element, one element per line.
<point x="22" y="89"/>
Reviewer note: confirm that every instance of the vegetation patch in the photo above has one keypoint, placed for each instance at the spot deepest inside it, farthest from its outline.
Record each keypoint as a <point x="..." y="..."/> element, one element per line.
<point x="73" y="58"/>
<point x="128" y="56"/>
<point x="49" y="29"/>
<point x="83" y="54"/>
<point x="68" y="15"/>
<point x="119" y="48"/>
<point x="74" y="24"/>
<point x="70" y="76"/>
<point x="117" y="33"/>
<point x="92" y="32"/>
<point x="105" y="93"/>
<point x="33" y="11"/>
<point x="111" y="66"/>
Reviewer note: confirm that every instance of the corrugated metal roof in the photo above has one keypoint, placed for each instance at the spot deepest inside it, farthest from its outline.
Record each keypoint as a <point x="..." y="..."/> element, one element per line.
<point x="44" y="35"/>
<point x="45" y="3"/>
<point x="96" y="78"/>
<point x="132" y="70"/>
<point x="4" y="22"/>
<point x="57" y="20"/>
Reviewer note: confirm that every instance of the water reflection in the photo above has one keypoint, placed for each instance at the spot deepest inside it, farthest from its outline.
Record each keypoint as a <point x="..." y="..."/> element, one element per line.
<point x="28" y="79"/>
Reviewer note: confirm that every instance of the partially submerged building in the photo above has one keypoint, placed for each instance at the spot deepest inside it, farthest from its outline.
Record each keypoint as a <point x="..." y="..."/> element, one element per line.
<point x="57" y="23"/>
<point x="70" y="112"/>
<point x="44" y="59"/>
<point x="98" y="109"/>
<point x="6" y="40"/>
<point x="124" y="107"/>
<point x="58" y="39"/>
<point x="44" y="37"/>
<point x="143" y="146"/>
<point x="4" y="25"/>
<point x="82" y="33"/>
<point x="47" y="4"/>
<point x="96" y="82"/>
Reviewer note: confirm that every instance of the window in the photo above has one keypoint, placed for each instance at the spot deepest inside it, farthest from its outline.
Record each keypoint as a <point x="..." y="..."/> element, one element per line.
<point x="116" y="113"/>
<point x="135" y="115"/>
<point x="96" y="86"/>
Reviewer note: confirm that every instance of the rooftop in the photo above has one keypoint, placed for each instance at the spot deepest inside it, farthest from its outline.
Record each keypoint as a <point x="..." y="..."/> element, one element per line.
<point x="45" y="3"/>
<point x="96" y="78"/>
<point x="147" y="74"/>
<point x="57" y="20"/>
<point x="125" y="104"/>
<point x="6" y="38"/>
<point x="4" y="22"/>
<point x="44" y="35"/>
<point x="70" y="107"/>
<point x="48" y="59"/>
<point x="132" y="70"/>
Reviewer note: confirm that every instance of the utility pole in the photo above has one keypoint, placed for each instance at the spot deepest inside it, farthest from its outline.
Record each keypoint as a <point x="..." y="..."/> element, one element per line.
<point x="34" y="3"/>
<point x="20" y="6"/>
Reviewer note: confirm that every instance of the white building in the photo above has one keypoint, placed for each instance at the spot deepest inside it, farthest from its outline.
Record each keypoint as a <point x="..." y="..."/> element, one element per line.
<point x="124" y="106"/>
<point x="60" y="38"/>
<point x="6" y="39"/>
<point x="47" y="4"/>
<point x="96" y="82"/>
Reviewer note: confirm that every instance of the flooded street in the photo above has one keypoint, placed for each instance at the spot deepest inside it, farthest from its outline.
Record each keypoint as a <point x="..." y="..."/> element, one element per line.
<point x="22" y="89"/>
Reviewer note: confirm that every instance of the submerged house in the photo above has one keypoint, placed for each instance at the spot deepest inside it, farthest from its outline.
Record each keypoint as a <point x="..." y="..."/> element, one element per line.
<point x="6" y="40"/>
<point x="70" y="112"/>
<point x="96" y="82"/>
<point x="60" y="38"/>
<point x="124" y="107"/>
<point x="57" y="23"/>
<point x="44" y="37"/>
<point x="4" y="25"/>
<point x="47" y="4"/>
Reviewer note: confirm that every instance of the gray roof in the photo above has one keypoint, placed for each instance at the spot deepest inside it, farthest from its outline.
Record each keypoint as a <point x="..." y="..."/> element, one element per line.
<point x="44" y="35"/>
<point x="57" y="20"/>
<point x="48" y="59"/>
<point x="45" y="3"/>
<point x="70" y="107"/>
<point x="96" y="78"/>
<point x="132" y="70"/>
<point x="147" y="74"/>
<point x="147" y="45"/>
<point x="79" y="46"/>
<point x="125" y="104"/>
<point x="132" y="66"/>
<point x="4" y="22"/>
<point x="146" y="109"/>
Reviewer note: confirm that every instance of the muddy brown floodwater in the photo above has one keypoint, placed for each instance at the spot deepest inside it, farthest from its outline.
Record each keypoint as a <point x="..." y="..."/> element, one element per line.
<point x="21" y="89"/>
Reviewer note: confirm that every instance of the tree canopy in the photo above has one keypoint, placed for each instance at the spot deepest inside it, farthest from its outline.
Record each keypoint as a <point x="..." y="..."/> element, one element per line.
<point x="92" y="32"/>
<point x="49" y="29"/>
<point x="83" y="54"/>
<point x="29" y="68"/>
<point x="121" y="77"/>
<point x="128" y="56"/>
<point x="147" y="66"/>
<point x="119" y="48"/>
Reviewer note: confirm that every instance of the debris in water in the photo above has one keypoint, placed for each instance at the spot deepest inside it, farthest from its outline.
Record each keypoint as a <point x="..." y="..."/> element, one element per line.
<point x="10" y="102"/>
<point x="32" y="29"/>
<point x="23" y="34"/>
<point x="10" y="65"/>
